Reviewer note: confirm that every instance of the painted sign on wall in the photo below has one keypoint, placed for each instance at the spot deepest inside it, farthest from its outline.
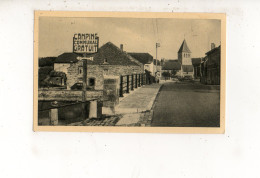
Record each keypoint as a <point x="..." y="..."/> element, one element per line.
<point x="85" y="42"/>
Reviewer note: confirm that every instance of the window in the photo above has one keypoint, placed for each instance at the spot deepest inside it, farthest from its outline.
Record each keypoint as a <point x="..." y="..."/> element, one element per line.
<point x="105" y="71"/>
<point x="80" y="70"/>
<point x="92" y="82"/>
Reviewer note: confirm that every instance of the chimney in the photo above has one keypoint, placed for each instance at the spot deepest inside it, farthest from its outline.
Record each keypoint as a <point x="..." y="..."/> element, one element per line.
<point x="122" y="47"/>
<point x="213" y="45"/>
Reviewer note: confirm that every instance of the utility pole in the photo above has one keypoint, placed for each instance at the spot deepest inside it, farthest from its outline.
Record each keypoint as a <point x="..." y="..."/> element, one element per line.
<point x="157" y="46"/>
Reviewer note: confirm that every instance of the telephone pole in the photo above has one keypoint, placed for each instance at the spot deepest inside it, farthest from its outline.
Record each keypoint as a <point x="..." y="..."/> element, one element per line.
<point x="157" y="46"/>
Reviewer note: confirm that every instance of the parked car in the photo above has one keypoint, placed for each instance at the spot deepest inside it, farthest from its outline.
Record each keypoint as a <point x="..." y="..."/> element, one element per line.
<point x="185" y="78"/>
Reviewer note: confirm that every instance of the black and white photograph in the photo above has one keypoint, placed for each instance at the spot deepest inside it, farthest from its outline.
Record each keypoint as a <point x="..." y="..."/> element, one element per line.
<point x="129" y="89"/>
<point x="129" y="71"/>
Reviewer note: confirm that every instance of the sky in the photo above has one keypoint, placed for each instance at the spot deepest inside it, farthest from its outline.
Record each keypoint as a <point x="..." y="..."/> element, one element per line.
<point x="136" y="34"/>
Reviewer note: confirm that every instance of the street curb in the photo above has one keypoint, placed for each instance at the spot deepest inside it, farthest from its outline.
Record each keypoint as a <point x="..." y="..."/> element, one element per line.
<point x="152" y="109"/>
<point x="157" y="96"/>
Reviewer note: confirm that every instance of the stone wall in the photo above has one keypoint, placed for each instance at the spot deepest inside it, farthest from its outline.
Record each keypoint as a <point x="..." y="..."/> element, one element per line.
<point x="117" y="70"/>
<point x="68" y="95"/>
<point x="61" y="67"/>
<point x="111" y="91"/>
<point x="75" y="75"/>
<point x="96" y="72"/>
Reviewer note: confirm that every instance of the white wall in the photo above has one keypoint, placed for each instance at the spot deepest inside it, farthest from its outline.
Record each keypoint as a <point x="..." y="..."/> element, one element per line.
<point x="61" y="67"/>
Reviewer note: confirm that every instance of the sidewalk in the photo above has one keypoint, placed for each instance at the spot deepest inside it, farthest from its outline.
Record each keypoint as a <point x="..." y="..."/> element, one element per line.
<point x="137" y="105"/>
<point x="139" y="101"/>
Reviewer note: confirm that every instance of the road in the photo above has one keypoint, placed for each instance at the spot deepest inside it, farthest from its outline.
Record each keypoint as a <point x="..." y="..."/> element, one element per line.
<point x="187" y="104"/>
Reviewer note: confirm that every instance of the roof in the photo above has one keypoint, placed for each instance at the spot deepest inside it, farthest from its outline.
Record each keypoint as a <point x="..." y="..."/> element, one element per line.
<point x="187" y="68"/>
<point x="158" y="62"/>
<point x="46" y="61"/>
<point x="196" y="61"/>
<point x="109" y="52"/>
<point x="184" y="47"/>
<point x="113" y="56"/>
<point x="67" y="58"/>
<point x="213" y="50"/>
<point x="144" y="58"/>
<point x="171" y="65"/>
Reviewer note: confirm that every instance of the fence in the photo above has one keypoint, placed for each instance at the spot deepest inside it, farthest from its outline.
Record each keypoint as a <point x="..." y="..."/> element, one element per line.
<point x="64" y="112"/>
<point x="130" y="82"/>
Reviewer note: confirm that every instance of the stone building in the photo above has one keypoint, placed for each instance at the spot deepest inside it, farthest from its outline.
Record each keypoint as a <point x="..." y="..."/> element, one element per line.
<point x="116" y="62"/>
<point x="108" y="61"/>
<point x="184" y="58"/>
<point x="94" y="79"/>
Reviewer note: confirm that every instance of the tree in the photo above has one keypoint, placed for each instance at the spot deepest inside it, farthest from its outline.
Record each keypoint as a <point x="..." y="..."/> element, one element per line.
<point x="166" y="75"/>
<point x="174" y="72"/>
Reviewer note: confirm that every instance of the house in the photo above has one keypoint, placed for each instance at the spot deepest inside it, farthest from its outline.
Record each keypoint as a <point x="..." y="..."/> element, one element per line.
<point x="210" y="66"/>
<point x="173" y="66"/>
<point x="147" y="60"/>
<point x="184" y="58"/>
<point x="116" y="62"/>
<point x="107" y="71"/>
<point x="112" y="60"/>
<point x="196" y="62"/>
<point x="64" y="60"/>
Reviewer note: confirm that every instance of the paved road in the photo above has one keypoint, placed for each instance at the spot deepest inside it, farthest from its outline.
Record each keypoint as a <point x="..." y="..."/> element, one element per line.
<point x="187" y="104"/>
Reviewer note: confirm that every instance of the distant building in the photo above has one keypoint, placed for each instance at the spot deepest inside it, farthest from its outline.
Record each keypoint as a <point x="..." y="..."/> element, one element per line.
<point x="184" y="57"/>
<point x="210" y="67"/>
<point x="147" y="60"/>
<point x="171" y="66"/>
<point x="196" y="62"/>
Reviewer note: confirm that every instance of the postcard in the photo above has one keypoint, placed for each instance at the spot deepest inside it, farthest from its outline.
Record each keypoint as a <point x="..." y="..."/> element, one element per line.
<point x="136" y="72"/>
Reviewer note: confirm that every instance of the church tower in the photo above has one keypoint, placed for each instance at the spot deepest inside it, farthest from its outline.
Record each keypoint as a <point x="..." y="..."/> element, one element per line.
<point x="184" y="54"/>
<point x="184" y="58"/>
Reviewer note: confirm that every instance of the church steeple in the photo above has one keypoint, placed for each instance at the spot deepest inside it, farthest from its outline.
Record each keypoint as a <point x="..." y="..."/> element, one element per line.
<point x="184" y="54"/>
<point x="184" y="47"/>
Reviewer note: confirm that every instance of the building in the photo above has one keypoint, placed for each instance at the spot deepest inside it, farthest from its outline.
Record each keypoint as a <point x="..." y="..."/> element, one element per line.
<point x="107" y="71"/>
<point x="210" y="67"/>
<point x="173" y="66"/>
<point x="64" y="60"/>
<point x="116" y="62"/>
<point x="110" y="59"/>
<point x="147" y="60"/>
<point x="196" y="62"/>
<point x="184" y="58"/>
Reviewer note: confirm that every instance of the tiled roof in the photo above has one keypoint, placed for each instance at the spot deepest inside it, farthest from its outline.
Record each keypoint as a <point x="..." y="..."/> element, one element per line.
<point x="113" y="55"/>
<point x="144" y="58"/>
<point x="184" y="47"/>
<point x="171" y="65"/>
<point x="196" y="61"/>
<point x="213" y="50"/>
<point x="187" y="68"/>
